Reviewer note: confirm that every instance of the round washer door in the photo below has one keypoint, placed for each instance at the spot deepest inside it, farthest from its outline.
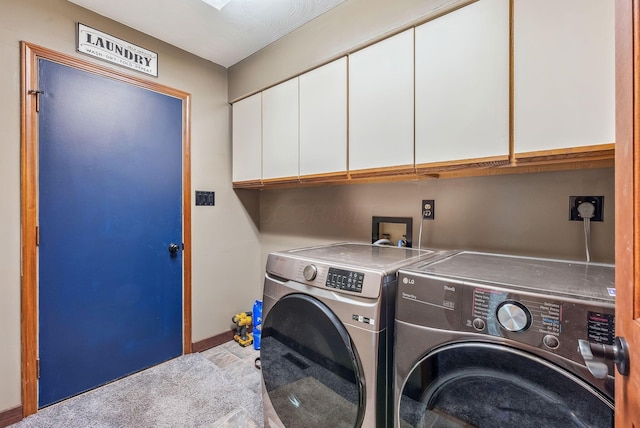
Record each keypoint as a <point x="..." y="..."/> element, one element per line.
<point x="486" y="385"/>
<point x="310" y="370"/>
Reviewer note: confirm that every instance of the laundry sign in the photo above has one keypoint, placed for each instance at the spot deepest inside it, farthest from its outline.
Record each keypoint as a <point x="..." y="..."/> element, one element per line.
<point x="106" y="47"/>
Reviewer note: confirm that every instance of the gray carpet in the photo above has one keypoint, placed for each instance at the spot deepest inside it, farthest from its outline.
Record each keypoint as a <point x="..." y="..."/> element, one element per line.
<point x="189" y="391"/>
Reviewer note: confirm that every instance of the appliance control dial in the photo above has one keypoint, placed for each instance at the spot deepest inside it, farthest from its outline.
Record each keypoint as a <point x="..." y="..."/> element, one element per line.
<point x="514" y="316"/>
<point x="310" y="272"/>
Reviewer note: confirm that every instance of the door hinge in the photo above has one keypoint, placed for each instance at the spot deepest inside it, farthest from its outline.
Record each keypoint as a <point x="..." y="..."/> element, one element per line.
<point x="38" y="368"/>
<point x="37" y="236"/>
<point x="37" y="94"/>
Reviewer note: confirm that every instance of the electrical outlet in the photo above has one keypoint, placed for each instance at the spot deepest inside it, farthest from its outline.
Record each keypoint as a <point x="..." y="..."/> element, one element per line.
<point x="428" y="209"/>
<point x="575" y="201"/>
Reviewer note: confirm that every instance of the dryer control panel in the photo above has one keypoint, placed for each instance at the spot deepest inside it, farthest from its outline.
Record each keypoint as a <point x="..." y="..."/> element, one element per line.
<point x="365" y="283"/>
<point x="345" y="279"/>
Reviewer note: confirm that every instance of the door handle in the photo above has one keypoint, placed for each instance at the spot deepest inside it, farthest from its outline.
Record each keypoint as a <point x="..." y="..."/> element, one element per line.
<point x="618" y="353"/>
<point x="174" y="248"/>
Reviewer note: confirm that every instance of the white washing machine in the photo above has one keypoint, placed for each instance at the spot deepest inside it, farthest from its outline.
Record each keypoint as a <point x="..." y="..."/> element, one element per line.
<point x="489" y="340"/>
<point x="327" y="334"/>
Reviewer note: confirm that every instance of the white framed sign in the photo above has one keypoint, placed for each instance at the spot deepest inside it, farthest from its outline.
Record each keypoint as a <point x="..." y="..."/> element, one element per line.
<point x="106" y="47"/>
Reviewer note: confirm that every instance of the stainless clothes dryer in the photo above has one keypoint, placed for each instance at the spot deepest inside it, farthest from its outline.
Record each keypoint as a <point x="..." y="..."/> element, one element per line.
<point x="491" y="340"/>
<point x="327" y="334"/>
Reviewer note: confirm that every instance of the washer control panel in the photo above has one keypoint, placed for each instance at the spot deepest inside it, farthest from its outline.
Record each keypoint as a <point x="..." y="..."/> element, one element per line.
<point x="552" y="323"/>
<point x="508" y="312"/>
<point x="543" y="321"/>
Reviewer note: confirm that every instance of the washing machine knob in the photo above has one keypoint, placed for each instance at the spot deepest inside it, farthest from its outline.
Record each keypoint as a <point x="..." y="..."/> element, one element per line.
<point x="309" y="273"/>
<point x="514" y="316"/>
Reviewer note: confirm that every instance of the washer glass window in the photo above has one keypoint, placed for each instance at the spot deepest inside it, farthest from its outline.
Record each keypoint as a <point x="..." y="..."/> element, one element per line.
<point x="309" y="366"/>
<point x="485" y="385"/>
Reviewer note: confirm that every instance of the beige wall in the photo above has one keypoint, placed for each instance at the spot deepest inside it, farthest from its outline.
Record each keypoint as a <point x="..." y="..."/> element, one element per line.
<point x="349" y="26"/>
<point x="225" y="237"/>
<point x="520" y="214"/>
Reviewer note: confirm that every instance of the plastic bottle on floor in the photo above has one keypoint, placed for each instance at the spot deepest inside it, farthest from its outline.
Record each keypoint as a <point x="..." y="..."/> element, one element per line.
<point x="257" y="323"/>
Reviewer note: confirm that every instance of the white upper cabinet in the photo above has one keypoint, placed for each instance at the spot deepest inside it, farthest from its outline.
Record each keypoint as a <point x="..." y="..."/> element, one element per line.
<point x="462" y="84"/>
<point x="564" y="69"/>
<point x="323" y="119"/>
<point x="280" y="130"/>
<point x="381" y="104"/>
<point x="247" y="139"/>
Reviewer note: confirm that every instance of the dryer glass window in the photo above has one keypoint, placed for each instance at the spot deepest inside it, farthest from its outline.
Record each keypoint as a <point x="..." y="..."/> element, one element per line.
<point x="310" y="371"/>
<point x="483" y="385"/>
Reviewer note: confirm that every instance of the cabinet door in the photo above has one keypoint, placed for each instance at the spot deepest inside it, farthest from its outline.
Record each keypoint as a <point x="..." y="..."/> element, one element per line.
<point x="563" y="74"/>
<point x="280" y="130"/>
<point x="381" y="104"/>
<point x="323" y="119"/>
<point x="462" y="84"/>
<point x="247" y="139"/>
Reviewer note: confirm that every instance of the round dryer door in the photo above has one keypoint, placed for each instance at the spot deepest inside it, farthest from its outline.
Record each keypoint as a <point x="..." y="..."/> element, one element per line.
<point x="309" y="367"/>
<point x="486" y="385"/>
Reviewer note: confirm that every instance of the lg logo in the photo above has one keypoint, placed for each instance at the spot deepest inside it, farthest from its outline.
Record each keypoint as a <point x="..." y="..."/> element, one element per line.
<point x="409" y="281"/>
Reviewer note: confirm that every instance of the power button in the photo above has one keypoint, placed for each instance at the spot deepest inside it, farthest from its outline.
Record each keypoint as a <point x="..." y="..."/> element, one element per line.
<point x="551" y="341"/>
<point x="479" y="324"/>
<point x="310" y="272"/>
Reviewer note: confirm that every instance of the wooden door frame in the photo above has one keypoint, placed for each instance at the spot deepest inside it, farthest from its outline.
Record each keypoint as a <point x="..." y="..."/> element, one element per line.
<point x="30" y="54"/>
<point x="627" y="185"/>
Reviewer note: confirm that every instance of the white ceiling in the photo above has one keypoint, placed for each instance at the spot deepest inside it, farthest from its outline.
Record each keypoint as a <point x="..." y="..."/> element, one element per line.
<point x="222" y="36"/>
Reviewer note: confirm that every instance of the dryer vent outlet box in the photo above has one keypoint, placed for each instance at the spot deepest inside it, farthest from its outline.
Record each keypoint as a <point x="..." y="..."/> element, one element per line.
<point x="576" y="201"/>
<point x="393" y="229"/>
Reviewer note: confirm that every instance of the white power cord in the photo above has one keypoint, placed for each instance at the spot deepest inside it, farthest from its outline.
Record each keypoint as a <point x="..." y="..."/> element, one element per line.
<point x="420" y="234"/>
<point x="586" y="211"/>
<point x="426" y="210"/>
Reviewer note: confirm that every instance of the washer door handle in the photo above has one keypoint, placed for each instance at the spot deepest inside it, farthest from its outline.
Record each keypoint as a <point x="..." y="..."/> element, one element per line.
<point x="618" y="353"/>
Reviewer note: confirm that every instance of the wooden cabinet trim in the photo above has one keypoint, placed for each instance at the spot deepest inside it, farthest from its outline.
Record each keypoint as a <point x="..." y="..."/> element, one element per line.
<point x="382" y="172"/>
<point x="597" y="152"/>
<point x="249" y="184"/>
<point x="569" y="160"/>
<point x="292" y="179"/>
<point x="324" y="178"/>
<point x="486" y="162"/>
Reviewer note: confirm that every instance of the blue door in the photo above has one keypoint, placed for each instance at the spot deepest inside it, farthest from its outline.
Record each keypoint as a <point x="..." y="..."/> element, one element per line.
<point x="110" y="198"/>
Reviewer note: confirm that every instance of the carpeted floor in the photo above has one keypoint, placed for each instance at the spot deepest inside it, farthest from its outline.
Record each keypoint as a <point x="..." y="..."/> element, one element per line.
<point x="217" y="388"/>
